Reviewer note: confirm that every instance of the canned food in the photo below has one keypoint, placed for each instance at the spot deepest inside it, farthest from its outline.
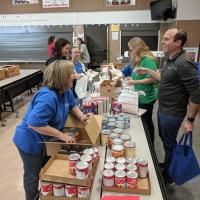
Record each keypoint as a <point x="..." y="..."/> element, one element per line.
<point x="109" y="166"/>
<point x="131" y="161"/>
<point x="118" y="131"/>
<point x="110" y="159"/>
<point x="46" y="187"/>
<point x="120" y="178"/>
<point x="111" y="137"/>
<point x="82" y="170"/>
<point x="96" y="153"/>
<point x="104" y="136"/>
<point x="58" y="189"/>
<point x="87" y="158"/>
<point x="116" y="107"/>
<point x="73" y="160"/>
<point x="121" y="160"/>
<point x="125" y="137"/>
<point x="117" y="141"/>
<point x="108" y="178"/>
<point x="111" y="125"/>
<point x="131" y="167"/>
<point x="70" y="190"/>
<point x="129" y="149"/>
<point x="142" y="168"/>
<point x="132" y="179"/>
<point x="120" y="167"/>
<point x="117" y="151"/>
<point x="83" y="191"/>
<point x="74" y="132"/>
<point x="90" y="152"/>
<point x="112" y="119"/>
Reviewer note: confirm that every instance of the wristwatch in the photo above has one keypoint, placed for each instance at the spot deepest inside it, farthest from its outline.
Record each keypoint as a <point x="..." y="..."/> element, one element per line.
<point x="191" y="119"/>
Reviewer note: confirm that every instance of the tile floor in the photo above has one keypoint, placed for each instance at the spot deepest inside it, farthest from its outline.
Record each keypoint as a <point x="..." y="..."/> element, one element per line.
<point x="11" y="172"/>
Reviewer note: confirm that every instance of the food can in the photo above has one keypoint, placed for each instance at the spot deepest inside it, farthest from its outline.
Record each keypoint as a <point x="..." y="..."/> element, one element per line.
<point x="131" y="161"/>
<point x="87" y="158"/>
<point x="82" y="170"/>
<point x="132" y="179"/>
<point x="129" y="149"/>
<point x="70" y="190"/>
<point x="116" y="107"/>
<point x="73" y="160"/>
<point x="121" y="160"/>
<point x="125" y="137"/>
<point x="117" y="141"/>
<point x="83" y="191"/>
<point x="110" y="159"/>
<point x="58" y="189"/>
<point x="120" y="167"/>
<point x="117" y="151"/>
<point x="104" y="136"/>
<point x="96" y="153"/>
<point x="46" y="187"/>
<point x="120" y="178"/>
<point x="90" y="152"/>
<point x="131" y="167"/>
<point x="108" y="178"/>
<point x="111" y="137"/>
<point x="142" y="168"/>
<point x="109" y="166"/>
<point x="119" y="131"/>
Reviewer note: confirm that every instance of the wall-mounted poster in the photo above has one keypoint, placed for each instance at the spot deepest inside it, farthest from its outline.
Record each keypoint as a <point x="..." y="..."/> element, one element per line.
<point x="17" y="2"/>
<point x="120" y="2"/>
<point x="192" y="53"/>
<point x="55" y="3"/>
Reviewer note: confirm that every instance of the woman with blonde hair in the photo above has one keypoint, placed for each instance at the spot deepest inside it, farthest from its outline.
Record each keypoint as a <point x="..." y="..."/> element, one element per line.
<point x="141" y="56"/>
<point x="45" y="118"/>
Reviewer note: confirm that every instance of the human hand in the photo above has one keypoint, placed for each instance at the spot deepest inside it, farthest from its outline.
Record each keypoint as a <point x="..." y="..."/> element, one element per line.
<point x="188" y="126"/>
<point x="66" y="138"/>
<point x="77" y="76"/>
<point x="84" y="118"/>
<point x="132" y="82"/>
<point x="141" y="70"/>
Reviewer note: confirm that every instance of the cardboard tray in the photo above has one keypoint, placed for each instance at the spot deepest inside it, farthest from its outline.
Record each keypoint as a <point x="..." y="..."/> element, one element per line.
<point x="143" y="187"/>
<point x="57" y="170"/>
<point x="89" y="134"/>
<point x="61" y="198"/>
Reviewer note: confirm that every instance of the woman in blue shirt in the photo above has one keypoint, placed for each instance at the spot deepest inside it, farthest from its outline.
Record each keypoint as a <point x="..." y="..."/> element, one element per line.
<point x="45" y="117"/>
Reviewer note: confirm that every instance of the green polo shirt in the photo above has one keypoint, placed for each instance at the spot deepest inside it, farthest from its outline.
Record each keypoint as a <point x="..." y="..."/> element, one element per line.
<point x="149" y="89"/>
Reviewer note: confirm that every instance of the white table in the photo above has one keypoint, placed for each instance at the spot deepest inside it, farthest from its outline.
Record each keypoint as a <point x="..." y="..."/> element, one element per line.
<point x="143" y="151"/>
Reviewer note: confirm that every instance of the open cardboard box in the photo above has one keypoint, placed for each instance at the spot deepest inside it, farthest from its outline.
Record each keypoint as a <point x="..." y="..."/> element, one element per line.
<point x="106" y="90"/>
<point x="11" y="70"/>
<point x="89" y="134"/>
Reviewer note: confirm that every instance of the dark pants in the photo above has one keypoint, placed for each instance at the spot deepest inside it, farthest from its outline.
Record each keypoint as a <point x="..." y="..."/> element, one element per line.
<point x="32" y="166"/>
<point x="147" y="119"/>
<point x="168" y="127"/>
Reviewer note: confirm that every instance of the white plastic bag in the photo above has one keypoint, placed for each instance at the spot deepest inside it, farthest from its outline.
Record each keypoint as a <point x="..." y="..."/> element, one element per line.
<point x="81" y="87"/>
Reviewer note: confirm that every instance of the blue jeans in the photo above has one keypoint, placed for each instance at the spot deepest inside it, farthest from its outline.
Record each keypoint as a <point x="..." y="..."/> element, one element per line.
<point x="168" y="127"/>
<point x="32" y="166"/>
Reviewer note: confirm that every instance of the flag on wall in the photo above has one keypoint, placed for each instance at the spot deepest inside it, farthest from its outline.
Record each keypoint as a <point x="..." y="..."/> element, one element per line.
<point x="55" y="3"/>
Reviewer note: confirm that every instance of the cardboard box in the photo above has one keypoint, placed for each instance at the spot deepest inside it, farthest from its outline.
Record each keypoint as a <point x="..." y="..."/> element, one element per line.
<point x="2" y="73"/>
<point x="89" y="134"/>
<point x="11" y="70"/>
<point x="106" y="89"/>
<point x="57" y="170"/>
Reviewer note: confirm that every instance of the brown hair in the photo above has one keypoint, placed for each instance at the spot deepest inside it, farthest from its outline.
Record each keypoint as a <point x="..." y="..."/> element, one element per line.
<point x="180" y="35"/>
<point x="57" y="75"/>
<point x="142" y="50"/>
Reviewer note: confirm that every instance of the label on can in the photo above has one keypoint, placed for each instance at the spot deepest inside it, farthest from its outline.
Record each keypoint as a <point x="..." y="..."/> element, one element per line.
<point x="58" y="190"/>
<point x="142" y="168"/>
<point x="108" y="178"/>
<point x="132" y="179"/>
<point x="82" y="170"/>
<point x="117" y="151"/>
<point x="83" y="192"/>
<point x="46" y="187"/>
<point x="70" y="190"/>
<point x="73" y="160"/>
<point x="120" y="178"/>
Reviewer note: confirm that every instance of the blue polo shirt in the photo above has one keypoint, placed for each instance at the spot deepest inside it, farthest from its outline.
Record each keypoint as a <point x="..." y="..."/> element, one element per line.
<point x="127" y="70"/>
<point x="47" y="107"/>
<point x="78" y="68"/>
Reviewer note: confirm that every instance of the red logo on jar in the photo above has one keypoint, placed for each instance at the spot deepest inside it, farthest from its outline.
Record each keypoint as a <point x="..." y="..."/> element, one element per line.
<point x="120" y="182"/>
<point x="71" y="189"/>
<point x="72" y="165"/>
<point x="46" y="187"/>
<point x="131" y="181"/>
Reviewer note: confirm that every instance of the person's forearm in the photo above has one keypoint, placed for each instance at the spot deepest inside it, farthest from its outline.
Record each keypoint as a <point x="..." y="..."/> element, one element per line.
<point x="47" y="130"/>
<point x="76" y="112"/>
<point x="193" y="110"/>
<point x="145" y="81"/>
<point x="154" y="74"/>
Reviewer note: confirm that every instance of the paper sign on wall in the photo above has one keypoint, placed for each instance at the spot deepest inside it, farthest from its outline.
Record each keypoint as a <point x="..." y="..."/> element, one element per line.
<point x="55" y="3"/>
<point x="115" y="27"/>
<point x="192" y="53"/>
<point x="115" y="35"/>
<point x="18" y="2"/>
